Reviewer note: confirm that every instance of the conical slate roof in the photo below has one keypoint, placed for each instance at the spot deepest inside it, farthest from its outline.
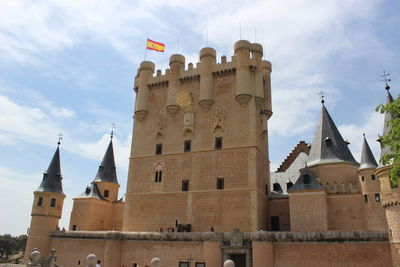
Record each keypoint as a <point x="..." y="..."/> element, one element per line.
<point x="388" y="117"/>
<point x="306" y="181"/>
<point x="52" y="179"/>
<point x="328" y="145"/>
<point x="367" y="158"/>
<point x="92" y="191"/>
<point x="107" y="170"/>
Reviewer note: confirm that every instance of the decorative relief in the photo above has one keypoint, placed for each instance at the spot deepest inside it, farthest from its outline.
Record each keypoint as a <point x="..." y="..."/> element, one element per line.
<point x="161" y="122"/>
<point x="219" y="115"/>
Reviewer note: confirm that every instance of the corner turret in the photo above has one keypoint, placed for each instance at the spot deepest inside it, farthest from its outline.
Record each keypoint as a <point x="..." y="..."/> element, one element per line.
<point x="243" y="85"/>
<point x="207" y="59"/>
<point x="145" y="72"/>
<point x="176" y="65"/>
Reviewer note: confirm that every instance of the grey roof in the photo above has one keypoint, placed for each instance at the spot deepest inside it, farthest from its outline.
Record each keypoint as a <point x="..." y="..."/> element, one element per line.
<point x="92" y="191"/>
<point x="300" y="185"/>
<point x="328" y="145"/>
<point x="52" y="179"/>
<point x="367" y="158"/>
<point x="107" y="170"/>
<point x="388" y="117"/>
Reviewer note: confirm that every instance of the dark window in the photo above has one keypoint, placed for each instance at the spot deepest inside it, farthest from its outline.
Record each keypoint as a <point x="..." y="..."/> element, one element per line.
<point x="276" y="187"/>
<point x="373" y="177"/>
<point x="79" y="262"/>
<point x="377" y="198"/>
<point x="53" y="202"/>
<point x="106" y="193"/>
<point x="275" y="223"/>
<point x="187" y="146"/>
<point x="218" y="142"/>
<point x="362" y="178"/>
<point x="184" y="264"/>
<point x="306" y="179"/>
<point x="40" y="201"/>
<point x="158" y="149"/>
<point x="74" y="227"/>
<point x="200" y="264"/>
<point x="366" y="198"/>
<point x="220" y="183"/>
<point x="266" y="189"/>
<point x="289" y="185"/>
<point x="158" y="176"/>
<point x="185" y="185"/>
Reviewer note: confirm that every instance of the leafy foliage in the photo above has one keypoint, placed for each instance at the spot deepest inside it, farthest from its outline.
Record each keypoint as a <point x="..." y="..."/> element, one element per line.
<point x="392" y="139"/>
<point x="10" y="244"/>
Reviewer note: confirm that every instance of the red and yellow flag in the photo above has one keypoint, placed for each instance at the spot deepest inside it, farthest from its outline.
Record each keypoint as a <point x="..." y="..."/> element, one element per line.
<point x="152" y="45"/>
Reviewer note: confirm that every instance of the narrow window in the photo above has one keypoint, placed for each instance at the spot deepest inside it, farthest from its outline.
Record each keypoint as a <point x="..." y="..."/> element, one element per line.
<point x="79" y="262"/>
<point x="200" y="264"/>
<point x="220" y="183"/>
<point x="106" y="192"/>
<point x="377" y="198"/>
<point x="366" y="198"/>
<point x="218" y="142"/>
<point x="289" y="185"/>
<point x="156" y="177"/>
<point x="373" y="177"/>
<point x="362" y="178"/>
<point x="276" y="187"/>
<point x="266" y="189"/>
<point x="159" y="176"/>
<point x="74" y="227"/>
<point x="40" y="201"/>
<point x="187" y="146"/>
<point x="275" y="225"/>
<point x="53" y="202"/>
<point x="306" y="179"/>
<point x="185" y="185"/>
<point x="183" y="264"/>
<point x="158" y="149"/>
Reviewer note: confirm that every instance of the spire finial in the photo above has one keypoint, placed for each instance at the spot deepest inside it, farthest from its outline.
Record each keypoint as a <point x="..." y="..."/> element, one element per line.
<point x="386" y="80"/>
<point x="112" y="130"/>
<point x="364" y="134"/>
<point x="60" y="137"/>
<point x="322" y="94"/>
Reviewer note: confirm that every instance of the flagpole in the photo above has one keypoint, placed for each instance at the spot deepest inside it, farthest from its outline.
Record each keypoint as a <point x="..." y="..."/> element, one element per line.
<point x="145" y="50"/>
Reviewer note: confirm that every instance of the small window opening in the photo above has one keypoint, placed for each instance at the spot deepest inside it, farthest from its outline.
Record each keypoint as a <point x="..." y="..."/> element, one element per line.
<point x="53" y="202"/>
<point x="106" y="193"/>
<point x="306" y="179"/>
<point x="184" y="264"/>
<point x="377" y="198"/>
<point x="79" y="262"/>
<point x="373" y="177"/>
<point x="276" y="187"/>
<point x="200" y="264"/>
<point x="74" y="227"/>
<point x="40" y="201"/>
<point x="362" y="178"/>
<point x="158" y="176"/>
<point x="220" y="183"/>
<point x="289" y="185"/>
<point x="185" y="185"/>
<point x="218" y="142"/>
<point x="158" y="149"/>
<point x="266" y="189"/>
<point x="366" y="198"/>
<point x="187" y="146"/>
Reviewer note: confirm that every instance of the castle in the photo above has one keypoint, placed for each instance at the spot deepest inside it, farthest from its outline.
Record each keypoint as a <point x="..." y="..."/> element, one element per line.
<point x="200" y="189"/>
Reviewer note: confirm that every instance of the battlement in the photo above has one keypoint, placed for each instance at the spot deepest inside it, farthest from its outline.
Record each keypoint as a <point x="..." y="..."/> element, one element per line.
<point x="251" y="71"/>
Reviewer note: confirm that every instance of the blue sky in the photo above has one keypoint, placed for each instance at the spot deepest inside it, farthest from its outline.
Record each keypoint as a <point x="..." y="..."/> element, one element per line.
<point x="69" y="65"/>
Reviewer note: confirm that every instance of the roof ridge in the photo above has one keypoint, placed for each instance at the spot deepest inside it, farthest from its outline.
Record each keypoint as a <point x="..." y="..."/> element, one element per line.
<point x="302" y="146"/>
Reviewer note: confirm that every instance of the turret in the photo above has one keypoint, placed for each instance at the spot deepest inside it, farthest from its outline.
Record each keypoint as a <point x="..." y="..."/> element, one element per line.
<point x="243" y="85"/>
<point x="267" y="69"/>
<point x="257" y="51"/>
<point x="176" y="65"/>
<point x="370" y="190"/>
<point x="207" y="59"/>
<point x="145" y="72"/>
<point x="47" y="208"/>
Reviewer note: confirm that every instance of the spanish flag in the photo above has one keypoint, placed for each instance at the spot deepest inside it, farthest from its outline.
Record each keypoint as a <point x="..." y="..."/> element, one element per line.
<point x="152" y="45"/>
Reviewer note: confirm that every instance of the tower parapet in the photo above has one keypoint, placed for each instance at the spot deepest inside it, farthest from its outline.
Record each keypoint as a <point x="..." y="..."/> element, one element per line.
<point x="177" y="65"/>
<point x="243" y="85"/>
<point x="208" y="59"/>
<point x="145" y="72"/>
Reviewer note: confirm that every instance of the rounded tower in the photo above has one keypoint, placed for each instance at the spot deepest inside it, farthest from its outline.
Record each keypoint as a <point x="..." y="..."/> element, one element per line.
<point x="145" y="72"/>
<point x="257" y="51"/>
<point x="243" y="85"/>
<point x="46" y="209"/>
<point x="267" y="69"/>
<point x="207" y="59"/>
<point x="176" y="65"/>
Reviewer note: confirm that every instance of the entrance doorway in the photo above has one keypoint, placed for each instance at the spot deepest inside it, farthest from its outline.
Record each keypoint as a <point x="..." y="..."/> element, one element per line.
<point x="238" y="259"/>
<point x="275" y="223"/>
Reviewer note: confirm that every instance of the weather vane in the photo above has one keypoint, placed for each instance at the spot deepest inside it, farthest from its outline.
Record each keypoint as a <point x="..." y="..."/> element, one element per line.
<point x="386" y="80"/>
<point x="112" y="129"/>
<point x="60" y="137"/>
<point x="322" y="94"/>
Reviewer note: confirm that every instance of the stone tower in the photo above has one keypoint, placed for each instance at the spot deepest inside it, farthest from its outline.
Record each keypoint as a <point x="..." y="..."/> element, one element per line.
<point x="47" y="208"/>
<point x="370" y="189"/>
<point x="390" y="193"/>
<point x="199" y="155"/>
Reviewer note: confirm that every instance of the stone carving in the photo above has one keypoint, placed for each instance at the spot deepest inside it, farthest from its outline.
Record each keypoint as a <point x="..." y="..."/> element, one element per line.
<point x="155" y="262"/>
<point x="219" y="115"/>
<point x="188" y="119"/>
<point x="161" y="122"/>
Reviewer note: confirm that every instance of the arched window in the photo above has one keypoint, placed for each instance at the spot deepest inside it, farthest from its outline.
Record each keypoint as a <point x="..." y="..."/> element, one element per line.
<point x="158" y="173"/>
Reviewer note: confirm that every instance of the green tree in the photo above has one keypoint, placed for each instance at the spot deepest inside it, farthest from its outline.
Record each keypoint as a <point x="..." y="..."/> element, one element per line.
<point x="392" y="139"/>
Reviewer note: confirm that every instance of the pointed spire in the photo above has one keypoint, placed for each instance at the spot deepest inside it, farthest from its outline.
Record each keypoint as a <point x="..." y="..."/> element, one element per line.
<point x="306" y="181"/>
<point x="52" y="179"/>
<point x="328" y="145"/>
<point x="367" y="158"/>
<point x="388" y="117"/>
<point x="107" y="170"/>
